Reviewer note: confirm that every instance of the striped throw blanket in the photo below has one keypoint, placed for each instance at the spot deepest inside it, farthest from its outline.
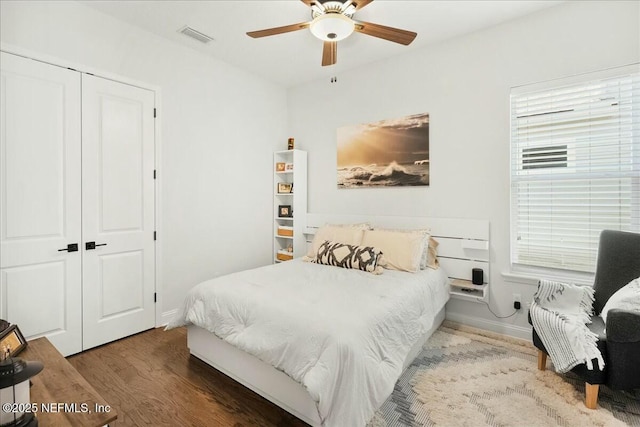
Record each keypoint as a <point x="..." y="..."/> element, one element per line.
<point x="560" y="313"/>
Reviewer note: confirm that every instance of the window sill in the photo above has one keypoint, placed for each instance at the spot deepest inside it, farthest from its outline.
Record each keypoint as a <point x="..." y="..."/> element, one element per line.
<point x="531" y="277"/>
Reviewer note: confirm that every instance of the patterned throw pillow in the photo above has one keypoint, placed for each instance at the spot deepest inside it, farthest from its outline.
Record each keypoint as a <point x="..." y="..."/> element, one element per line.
<point x="363" y="258"/>
<point x="350" y="234"/>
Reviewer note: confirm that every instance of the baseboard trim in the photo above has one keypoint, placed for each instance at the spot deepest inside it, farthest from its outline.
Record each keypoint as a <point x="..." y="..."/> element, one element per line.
<point x="491" y="325"/>
<point x="167" y="316"/>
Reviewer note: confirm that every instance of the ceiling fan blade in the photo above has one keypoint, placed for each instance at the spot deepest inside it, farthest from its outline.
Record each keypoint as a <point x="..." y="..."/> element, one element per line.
<point x="388" y="33"/>
<point x="278" y="30"/>
<point x="359" y="4"/>
<point x="329" y="53"/>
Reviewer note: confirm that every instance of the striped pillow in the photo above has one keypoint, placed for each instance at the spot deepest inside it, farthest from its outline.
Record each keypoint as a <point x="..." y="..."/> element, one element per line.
<point x="363" y="258"/>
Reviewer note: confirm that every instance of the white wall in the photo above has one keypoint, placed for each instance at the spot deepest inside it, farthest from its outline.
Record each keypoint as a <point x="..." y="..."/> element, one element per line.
<point x="464" y="85"/>
<point x="220" y="126"/>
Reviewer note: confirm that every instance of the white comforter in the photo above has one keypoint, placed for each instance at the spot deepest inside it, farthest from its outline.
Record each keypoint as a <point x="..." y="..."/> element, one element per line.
<point x="343" y="334"/>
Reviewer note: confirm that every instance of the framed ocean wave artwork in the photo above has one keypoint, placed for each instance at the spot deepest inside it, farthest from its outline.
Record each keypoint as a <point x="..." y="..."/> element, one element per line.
<point x="388" y="153"/>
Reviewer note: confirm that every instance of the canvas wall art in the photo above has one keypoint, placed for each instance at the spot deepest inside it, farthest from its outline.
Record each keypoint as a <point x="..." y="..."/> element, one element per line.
<point x="388" y="153"/>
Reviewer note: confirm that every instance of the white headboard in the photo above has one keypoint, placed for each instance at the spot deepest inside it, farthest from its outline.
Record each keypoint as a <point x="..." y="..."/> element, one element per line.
<point x="464" y="243"/>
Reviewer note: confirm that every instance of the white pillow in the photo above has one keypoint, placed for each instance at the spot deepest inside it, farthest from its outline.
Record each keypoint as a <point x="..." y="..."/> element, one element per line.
<point x="626" y="298"/>
<point x="401" y="250"/>
<point x="428" y="258"/>
<point x="350" y="234"/>
<point x="431" y="258"/>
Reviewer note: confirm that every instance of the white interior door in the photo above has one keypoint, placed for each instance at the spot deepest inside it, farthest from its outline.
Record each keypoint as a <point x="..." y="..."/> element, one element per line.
<point x="40" y="286"/>
<point x="118" y="210"/>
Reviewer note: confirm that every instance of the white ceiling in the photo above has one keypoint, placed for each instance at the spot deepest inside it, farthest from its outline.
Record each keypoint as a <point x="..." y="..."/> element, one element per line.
<point x="293" y="58"/>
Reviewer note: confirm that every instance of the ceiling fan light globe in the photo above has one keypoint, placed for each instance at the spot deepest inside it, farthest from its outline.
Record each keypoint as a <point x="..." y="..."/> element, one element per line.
<point x="332" y="27"/>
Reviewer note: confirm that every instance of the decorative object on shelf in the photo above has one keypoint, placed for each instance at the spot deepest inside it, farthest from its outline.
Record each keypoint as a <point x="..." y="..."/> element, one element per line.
<point x="12" y="342"/>
<point x="285" y="231"/>
<point x="284" y="211"/>
<point x="280" y="167"/>
<point x="388" y="153"/>
<point x="290" y="144"/>
<point x="288" y="167"/>
<point x="290" y="248"/>
<point x="3" y="325"/>
<point x="285" y="187"/>
<point x="477" y="276"/>
<point x="284" y="255"/>
<point x="15" y="392"/>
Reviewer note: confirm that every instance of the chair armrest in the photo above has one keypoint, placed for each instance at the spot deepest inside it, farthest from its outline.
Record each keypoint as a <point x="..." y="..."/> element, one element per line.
<point x="623" y="326"/>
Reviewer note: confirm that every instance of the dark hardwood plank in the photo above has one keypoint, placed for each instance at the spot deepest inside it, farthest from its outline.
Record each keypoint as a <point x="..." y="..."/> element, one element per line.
<point x="151" y="379"/>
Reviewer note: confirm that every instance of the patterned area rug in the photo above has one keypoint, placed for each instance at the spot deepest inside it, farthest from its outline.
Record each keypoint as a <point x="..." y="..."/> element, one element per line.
<point x="466" y="377"/>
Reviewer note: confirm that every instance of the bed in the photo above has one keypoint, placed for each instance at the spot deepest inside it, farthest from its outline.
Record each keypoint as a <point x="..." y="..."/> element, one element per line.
<point x="327" y="344"/>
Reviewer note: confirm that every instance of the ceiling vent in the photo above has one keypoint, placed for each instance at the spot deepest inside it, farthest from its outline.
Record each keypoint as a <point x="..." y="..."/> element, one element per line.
<point x="194" y="34"/>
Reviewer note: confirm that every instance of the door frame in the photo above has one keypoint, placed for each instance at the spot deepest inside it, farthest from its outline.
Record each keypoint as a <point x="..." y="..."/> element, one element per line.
<point x="161" y="318"/>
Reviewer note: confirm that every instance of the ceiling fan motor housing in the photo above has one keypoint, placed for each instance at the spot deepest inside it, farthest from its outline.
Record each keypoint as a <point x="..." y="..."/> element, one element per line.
<point x="331" y="6"/>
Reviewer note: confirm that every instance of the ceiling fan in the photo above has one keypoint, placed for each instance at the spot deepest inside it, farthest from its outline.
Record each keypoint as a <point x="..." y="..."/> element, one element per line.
<point x="333" y="21"/>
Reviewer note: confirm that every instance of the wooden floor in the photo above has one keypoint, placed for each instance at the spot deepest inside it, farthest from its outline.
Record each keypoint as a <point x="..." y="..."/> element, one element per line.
<point x="151" y="380"/>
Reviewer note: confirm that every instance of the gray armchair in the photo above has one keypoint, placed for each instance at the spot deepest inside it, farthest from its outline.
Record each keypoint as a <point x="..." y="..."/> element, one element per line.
<point x="618" y="264"/>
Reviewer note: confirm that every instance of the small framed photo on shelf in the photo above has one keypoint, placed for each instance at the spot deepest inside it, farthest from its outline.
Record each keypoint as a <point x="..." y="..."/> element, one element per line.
<point x="12" y="341"/>
<point x="285" y="187"/>
<point x="280" y="166"/>
<point x="288" y="167"/>
<point x="284" y="211"/>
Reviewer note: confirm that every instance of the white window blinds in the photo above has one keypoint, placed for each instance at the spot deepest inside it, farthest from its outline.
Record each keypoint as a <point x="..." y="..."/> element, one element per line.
<point x="575" y="169"/>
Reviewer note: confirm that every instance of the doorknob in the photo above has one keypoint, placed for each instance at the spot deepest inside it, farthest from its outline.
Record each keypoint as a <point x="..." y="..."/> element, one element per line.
<point x="92" y="245"/>
<point x="71" y="247"/>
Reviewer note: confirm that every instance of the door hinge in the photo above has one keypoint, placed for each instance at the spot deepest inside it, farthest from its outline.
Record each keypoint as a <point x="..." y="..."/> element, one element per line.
<point x="155" y="297"/>
<point x="155" y="235"/>
<point x="154" y="174"/>
<point x="154" y="113"/>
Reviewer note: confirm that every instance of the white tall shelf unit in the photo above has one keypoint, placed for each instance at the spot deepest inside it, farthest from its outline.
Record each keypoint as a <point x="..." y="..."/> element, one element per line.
<point x="297" y="200"/>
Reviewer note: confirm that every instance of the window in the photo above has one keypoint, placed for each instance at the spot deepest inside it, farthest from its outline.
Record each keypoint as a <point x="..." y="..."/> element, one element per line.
<point x="575" y="168"/>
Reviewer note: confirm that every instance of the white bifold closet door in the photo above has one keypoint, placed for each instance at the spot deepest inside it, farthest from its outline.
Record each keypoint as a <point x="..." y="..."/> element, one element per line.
<point x="117" y="210"/>
<point x="40" y="215"/>
<point x="77" y="205"/>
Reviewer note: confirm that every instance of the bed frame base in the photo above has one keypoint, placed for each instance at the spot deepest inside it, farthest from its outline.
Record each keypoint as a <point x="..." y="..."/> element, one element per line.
<point x="264" y="379"/>
<point x="251" y="372"/>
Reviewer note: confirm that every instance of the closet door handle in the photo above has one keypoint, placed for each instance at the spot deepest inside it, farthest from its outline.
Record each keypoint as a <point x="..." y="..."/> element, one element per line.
<point x="71" y="247"/>
<point x="92" y="245"/>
